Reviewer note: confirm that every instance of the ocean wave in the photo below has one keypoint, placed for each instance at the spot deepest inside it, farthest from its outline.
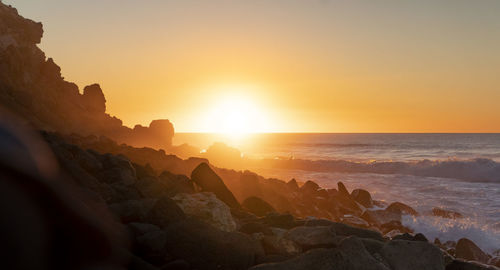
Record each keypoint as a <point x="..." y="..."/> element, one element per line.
<point x="475" y="170"/>
<point x="487" y="237"/>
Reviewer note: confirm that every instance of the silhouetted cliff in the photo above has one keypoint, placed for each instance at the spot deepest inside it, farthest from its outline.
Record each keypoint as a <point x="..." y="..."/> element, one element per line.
<point x="32" y="87"/>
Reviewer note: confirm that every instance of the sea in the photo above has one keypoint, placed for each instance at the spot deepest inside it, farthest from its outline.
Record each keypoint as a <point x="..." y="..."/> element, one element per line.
<point x="458" y="172"/>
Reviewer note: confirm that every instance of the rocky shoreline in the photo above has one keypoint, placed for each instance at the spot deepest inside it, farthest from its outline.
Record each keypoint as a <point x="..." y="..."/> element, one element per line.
<point x="305" y="227"/>
<point x="103" y="196"/>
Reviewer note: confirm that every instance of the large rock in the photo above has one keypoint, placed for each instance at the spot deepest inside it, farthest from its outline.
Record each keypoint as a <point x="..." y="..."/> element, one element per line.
<point x="466" y="249"/>
<point x="312" y="237"/>
<point x="257" y="206"/>
<point x="363" y="197"/>
<point x="350" y="255"/>
<point x="462" y="265"/>
<point x="206" y="247"/>
<point x="207" y="208"/>
<point x="402" y="208"/>
<point x="379" y="217"/>
<point x="93" y="98"/>
<point x="412" y="255"/>
<point x="209" y="181"/>
<point x="164" y="212"/>
<point x="346" y="230"/>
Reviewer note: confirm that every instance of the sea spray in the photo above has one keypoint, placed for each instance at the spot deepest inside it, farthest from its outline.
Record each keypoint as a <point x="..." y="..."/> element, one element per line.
<point x="486" y="236"/>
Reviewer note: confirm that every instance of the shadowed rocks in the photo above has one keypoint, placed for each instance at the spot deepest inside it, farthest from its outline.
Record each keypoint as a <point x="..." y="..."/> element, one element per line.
<point x="209" y="181"/>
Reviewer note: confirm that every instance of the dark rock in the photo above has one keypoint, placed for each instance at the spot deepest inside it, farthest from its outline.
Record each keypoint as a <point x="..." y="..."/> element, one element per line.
<point x="379" y="217"/>
<point x="176" y="183"/>
<point x="292" y="185"/>
<point x="342" y="189"/>
<point x="205" y="247"/>
<point x="346" y="230"/>
<point x="363" y="197"/>
<point x="93" y="99"/>
<point x="257" y="206"/>
<point x="209" y="181"/>
<point x="351" y="254"/>
<point x="409" y="237"/>
<point x="151" y="246"/>
<point x="254" y="227"/>
<point x="438" y="212"/>
<point x="164" y="212"/>
<point x="279" y="245"/>
<point x="462" y="265"/>
<point x="466" y="249"/>
<point x="312" y="237"/>
<point x="309" y="187"/>
<point x="133" y="210"/>
<point x="402" y="208"/>
<point x="285" y="221"/>
<point x="412" y="255"/>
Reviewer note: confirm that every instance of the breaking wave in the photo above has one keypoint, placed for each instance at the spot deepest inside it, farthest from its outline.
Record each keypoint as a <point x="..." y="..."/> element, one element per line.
<point x="474" y="170"/>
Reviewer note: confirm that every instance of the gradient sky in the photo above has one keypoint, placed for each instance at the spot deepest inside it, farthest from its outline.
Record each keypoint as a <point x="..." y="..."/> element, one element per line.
<point x="309" y="66"/>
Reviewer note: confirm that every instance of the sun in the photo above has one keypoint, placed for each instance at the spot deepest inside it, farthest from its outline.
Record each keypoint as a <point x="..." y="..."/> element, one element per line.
<point x="235" y="115"/>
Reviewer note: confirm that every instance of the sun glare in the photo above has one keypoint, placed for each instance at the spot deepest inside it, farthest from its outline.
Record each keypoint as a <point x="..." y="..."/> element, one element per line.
<point x="235" y="115"/>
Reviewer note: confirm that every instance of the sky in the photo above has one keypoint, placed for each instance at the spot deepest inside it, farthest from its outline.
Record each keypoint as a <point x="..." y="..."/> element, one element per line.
<point x="283" y="66"/>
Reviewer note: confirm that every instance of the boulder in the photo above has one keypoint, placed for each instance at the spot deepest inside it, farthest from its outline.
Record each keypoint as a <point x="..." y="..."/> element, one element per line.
<point x="412" y="255"/>
<point x="342" y="189"/>
<point x="176" y="183"/>
<point x="257" y="206"/>
<point x="285" y="221"/>
<point x="468" y="250"/>
<point x="206" y="207"/>
<point x="206" y="247"/>
<point x="209" y="181"/>
<point x="351" y="255"/>
<point x="93" y="99"/>
<point x="292" y="185"/>
<point x="133" y="210"/>
<point x="379" y="217"/>
<point x="355" y="221"/>
<point x="346" y="230"/>
<point x="409" y="237"/>
<point x="164" y="212"/>
<point x="462" y="265"/>
<point x="438" y="212"/>
<point x="363" y="197"/>
<point x="255" y="227"/>
<point x="402" y="208"/>
<point x="309" y="187"/>
<point x="312" y="237"/>
<point x="278" y="245"/>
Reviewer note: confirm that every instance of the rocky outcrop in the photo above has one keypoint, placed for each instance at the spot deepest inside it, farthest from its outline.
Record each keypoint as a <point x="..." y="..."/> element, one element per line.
<point x="363" y="197"/>
<point x="257" y="206"/>
<point x="412" y="255"/>
<point x="312" y="237"/>
<point x="209" y="181"/>
<point x="466" y="249"/>
<point x="350" y="254"/>
<point x="32" y="87"/>
<point x="206" y="207"/>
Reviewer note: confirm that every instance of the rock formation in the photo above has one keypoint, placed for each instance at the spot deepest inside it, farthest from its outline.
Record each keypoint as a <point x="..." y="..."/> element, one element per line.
<point x="32" y="87"/>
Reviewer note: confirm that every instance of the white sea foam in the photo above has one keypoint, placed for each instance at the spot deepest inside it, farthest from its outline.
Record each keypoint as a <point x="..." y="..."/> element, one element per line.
<point x="486" y="237"/>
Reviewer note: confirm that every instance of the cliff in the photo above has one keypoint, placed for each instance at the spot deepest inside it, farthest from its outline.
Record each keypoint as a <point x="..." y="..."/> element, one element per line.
<point x="31" y="86"/>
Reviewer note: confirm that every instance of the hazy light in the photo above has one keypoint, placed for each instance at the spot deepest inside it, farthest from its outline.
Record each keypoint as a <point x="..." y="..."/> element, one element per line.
<point x="235" y="114"/>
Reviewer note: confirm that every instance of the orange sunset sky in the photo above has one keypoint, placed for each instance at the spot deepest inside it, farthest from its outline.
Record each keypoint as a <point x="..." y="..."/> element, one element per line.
<point x="283" y="66"/>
